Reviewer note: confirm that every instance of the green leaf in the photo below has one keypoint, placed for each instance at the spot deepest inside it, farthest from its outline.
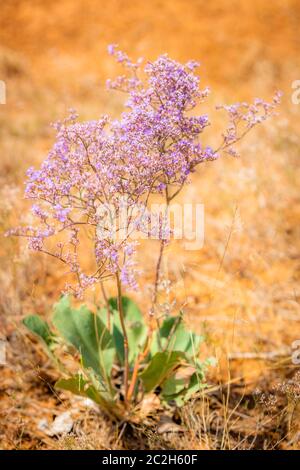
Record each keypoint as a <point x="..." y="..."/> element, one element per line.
<point x="135" y="325"/>
<point x="87" y="333"/>
<point x="173" y="386"/>
<point x="194" y="386"/>
<point x="195" y="373"/>
<point x="160" y="366"/>
<point x="173" y="336"/>
<point x="179" y="380"/>
<point x="40" y="328"/>
<point x="131" y="310"/>
<point x="103" y="315"/>
<point x="79" y="386"/>
<point x="75" y="384"/>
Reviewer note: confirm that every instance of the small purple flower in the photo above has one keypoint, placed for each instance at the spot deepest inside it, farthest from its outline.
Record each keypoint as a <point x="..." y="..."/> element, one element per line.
<point x="111" y="48"/>
<point x="151" y="149"/>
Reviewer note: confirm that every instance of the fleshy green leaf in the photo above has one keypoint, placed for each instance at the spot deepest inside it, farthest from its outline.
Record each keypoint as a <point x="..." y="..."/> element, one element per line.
<point x="136" y="328"/>
<point x="87" y="333"/>
<point x="40" y="328"/>
<point x="194" y="386"/>
<point x="173" y="336"/>
<point x="76" y="385"/>
<point x="179" y="380"/>
<point x="175" y="389"/>
<point x="160" y="366"/>
<point x="79" y="386"/>
<point x="173" y="386"/>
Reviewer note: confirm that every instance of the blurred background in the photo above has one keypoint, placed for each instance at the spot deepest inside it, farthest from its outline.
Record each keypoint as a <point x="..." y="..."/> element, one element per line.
<point x="242" y="288"/>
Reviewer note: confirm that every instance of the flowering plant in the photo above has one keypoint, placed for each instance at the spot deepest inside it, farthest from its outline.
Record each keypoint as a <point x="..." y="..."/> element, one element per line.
<point x="92" y="169"/>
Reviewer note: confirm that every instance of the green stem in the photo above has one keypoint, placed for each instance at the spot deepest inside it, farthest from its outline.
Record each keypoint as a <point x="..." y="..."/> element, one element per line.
<point x="123" y="326"/>
<point x="107" y="306"/>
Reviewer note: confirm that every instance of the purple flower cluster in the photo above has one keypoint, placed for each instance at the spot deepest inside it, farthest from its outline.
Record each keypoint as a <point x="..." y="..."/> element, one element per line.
<point x="152" y="148"/>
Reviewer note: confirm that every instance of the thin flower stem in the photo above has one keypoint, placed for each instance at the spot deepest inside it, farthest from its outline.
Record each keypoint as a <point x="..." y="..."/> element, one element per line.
<point x="123" y="326"/>
<point x="159" y="262"/>
<point x="107" y="305"/>
<point x="157" y="274"/>
<point x="139" y="359"/>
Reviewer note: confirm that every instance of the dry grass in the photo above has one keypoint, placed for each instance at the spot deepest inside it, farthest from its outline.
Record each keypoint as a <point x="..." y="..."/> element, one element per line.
<point x="241" y="289"/>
